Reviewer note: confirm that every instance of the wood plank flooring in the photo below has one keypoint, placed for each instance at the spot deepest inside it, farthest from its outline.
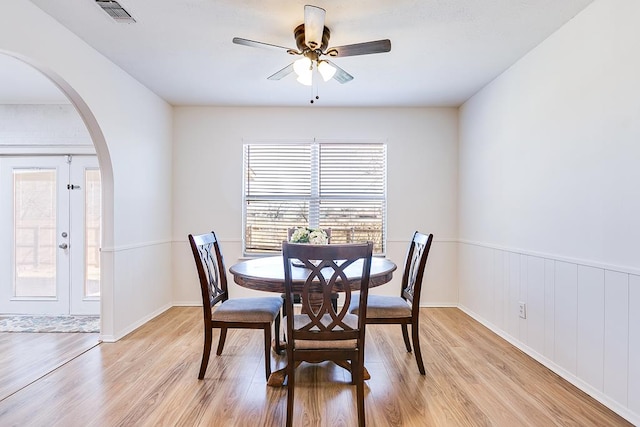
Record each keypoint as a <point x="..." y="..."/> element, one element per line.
<point x="26" y="357"/>
<point x="149" y="378"/>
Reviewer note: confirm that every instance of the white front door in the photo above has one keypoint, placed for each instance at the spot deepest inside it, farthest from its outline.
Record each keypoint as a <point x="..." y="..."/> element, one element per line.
<point x="49" y="235"/>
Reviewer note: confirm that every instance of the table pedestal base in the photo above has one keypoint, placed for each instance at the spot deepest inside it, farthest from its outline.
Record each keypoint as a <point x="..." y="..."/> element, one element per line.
<point x="277" y="378"/>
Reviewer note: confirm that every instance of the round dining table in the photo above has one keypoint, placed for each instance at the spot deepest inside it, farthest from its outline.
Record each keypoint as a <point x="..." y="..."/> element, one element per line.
<point x="267" y="274"/>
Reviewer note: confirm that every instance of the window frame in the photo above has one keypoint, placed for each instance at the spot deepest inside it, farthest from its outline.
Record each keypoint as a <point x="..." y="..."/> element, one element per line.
<point x="314" y="194"/>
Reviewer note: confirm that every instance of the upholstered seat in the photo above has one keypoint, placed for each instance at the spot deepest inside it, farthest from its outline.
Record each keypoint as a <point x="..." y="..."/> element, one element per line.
<point x="299" y="320"/>
<point x="382" y="306"/>
<point x="263" y="309"/>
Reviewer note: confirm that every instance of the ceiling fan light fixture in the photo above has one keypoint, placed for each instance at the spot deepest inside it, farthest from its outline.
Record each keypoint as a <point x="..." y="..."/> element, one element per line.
<point x="327" y="71"/>
<point x="306" y="79"/>
<point x="312" y="40"/>
<point x="302" y="66"/>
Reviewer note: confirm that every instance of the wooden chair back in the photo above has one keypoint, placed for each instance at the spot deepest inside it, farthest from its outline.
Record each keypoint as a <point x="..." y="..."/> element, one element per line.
<point x="211" y="270"/>
<point x="414" y="268"/>
<point x="326" y="267"/>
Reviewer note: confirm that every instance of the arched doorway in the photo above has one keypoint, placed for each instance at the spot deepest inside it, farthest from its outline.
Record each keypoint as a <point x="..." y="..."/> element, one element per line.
<point x="101" y="150"/>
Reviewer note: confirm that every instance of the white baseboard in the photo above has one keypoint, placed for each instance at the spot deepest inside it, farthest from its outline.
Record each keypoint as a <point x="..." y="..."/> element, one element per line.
<point x="132" y="327"/>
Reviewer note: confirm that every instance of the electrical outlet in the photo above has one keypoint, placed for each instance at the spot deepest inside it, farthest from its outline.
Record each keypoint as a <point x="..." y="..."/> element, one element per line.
<point x="522" y="310"/>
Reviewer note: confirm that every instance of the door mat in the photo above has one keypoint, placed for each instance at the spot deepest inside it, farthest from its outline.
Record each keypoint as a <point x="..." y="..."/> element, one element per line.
<point x="27" y="323"/>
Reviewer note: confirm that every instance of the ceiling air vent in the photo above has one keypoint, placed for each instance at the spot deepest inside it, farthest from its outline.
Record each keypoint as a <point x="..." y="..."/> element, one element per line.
<point x="115" y="11"/>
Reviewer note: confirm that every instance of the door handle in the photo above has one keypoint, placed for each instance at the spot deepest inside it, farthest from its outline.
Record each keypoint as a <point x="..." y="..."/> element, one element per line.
<point x="63" y="246"/>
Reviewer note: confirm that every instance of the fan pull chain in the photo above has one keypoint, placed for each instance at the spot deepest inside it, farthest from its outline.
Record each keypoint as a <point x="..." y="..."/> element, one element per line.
<point x="314" y="88"/>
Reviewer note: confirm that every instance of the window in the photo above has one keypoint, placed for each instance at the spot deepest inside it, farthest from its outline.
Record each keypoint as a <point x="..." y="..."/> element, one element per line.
<point x="334" y="185"/>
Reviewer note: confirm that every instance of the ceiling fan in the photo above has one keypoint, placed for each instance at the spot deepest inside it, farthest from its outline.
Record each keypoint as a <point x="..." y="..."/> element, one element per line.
<point x="312" y="40"/>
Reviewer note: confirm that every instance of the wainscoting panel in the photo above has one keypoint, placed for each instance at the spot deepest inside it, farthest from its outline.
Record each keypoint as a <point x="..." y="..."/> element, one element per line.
<point x="566" y="315"/>
<point x="616" y="335"/>
<point x="582" y="319"/>
<point x="500" y="289"/>
<point x="521" y="294"/>
<point x="513" y="323"/>
<point x="634" y="344"/>
<point x="590" y="349"/>
<point x="549" y="309"/>
<point x="534" y="298"/>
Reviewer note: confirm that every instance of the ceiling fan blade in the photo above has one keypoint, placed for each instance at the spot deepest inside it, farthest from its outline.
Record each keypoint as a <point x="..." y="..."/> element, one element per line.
<point x="341" y="75"/>
<point x="313" y="26"/>
<point x="251" y="43"/>
<point x="366" y="48"/>
<point x="282" y="73"/>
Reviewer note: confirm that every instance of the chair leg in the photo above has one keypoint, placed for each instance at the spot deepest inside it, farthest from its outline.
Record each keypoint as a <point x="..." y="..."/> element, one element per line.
<point x="206" y="352"/>
<point x="267" y="350"/>
<point x="358" y="369"/>
<point x="291" y="366"/>
<point x="284" y="306"/>
<point x="278" y="348"/>
<point x="416" y="347"/>
<point x="223" y="337"/>
<point x="405" y="335"/>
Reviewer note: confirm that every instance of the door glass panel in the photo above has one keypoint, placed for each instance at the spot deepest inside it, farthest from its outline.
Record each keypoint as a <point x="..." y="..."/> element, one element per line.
<point x="92" y="210"/>
<point x="35" y="232"/>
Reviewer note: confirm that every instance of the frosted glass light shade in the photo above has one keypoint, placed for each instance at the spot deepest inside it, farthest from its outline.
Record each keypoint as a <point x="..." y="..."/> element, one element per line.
<point x="302" y="66"/>
<point x="306" y="78"/>
<point x="327" y="71"/>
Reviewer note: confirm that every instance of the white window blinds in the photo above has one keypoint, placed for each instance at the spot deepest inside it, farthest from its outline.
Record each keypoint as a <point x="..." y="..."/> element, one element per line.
<point x="341" y="186"/>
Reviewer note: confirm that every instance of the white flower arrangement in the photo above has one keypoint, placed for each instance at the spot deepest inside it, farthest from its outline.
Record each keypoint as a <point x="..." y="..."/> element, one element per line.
<point x="314" y="236"/>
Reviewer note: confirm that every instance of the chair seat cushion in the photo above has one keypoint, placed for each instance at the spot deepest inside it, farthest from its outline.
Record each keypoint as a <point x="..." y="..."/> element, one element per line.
<point x="248" y="310"/>
<point x="382" y="307"/>
<point x="299" y="320"/>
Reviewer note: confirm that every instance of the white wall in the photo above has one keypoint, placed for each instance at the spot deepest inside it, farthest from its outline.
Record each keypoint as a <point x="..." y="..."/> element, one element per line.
<point x="131" y="128"/>
<point x="422" y="180"/>
<point x="550" y="207"/>
<point x="30" y="127"/>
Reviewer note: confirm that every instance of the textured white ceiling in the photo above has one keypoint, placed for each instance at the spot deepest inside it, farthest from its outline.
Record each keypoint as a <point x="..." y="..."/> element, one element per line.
<point x="443" y="51"/>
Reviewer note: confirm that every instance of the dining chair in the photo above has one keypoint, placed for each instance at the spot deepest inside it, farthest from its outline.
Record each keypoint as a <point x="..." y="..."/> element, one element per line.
<point x="334" y="297"/>
<point x="321" y="332"/>
<point x="224" y="313"/>
<point x="404" y="309"/>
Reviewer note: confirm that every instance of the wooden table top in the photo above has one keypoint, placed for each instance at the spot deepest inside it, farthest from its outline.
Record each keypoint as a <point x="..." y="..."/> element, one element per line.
<point x="267" y="274"/>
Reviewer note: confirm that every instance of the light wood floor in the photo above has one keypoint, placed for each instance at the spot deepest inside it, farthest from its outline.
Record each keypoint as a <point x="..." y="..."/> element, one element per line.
<point x="26" y="357"/>
<point x="149" y="378"/>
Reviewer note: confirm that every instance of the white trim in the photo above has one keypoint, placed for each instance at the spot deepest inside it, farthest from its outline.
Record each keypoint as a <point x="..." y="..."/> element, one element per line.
<point x="439" y="305"/>
<point x="133" y="326"/>
<point x="136" y="246"/>
<point x="441" y="240"/>
<point x="351" y="141"/>
<point x="578" y="261"/>
<point x="315" y="140"/>
<point x="239" y="241"/>
<point x="24" y="150"/>
<point x="187" y="303"/>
